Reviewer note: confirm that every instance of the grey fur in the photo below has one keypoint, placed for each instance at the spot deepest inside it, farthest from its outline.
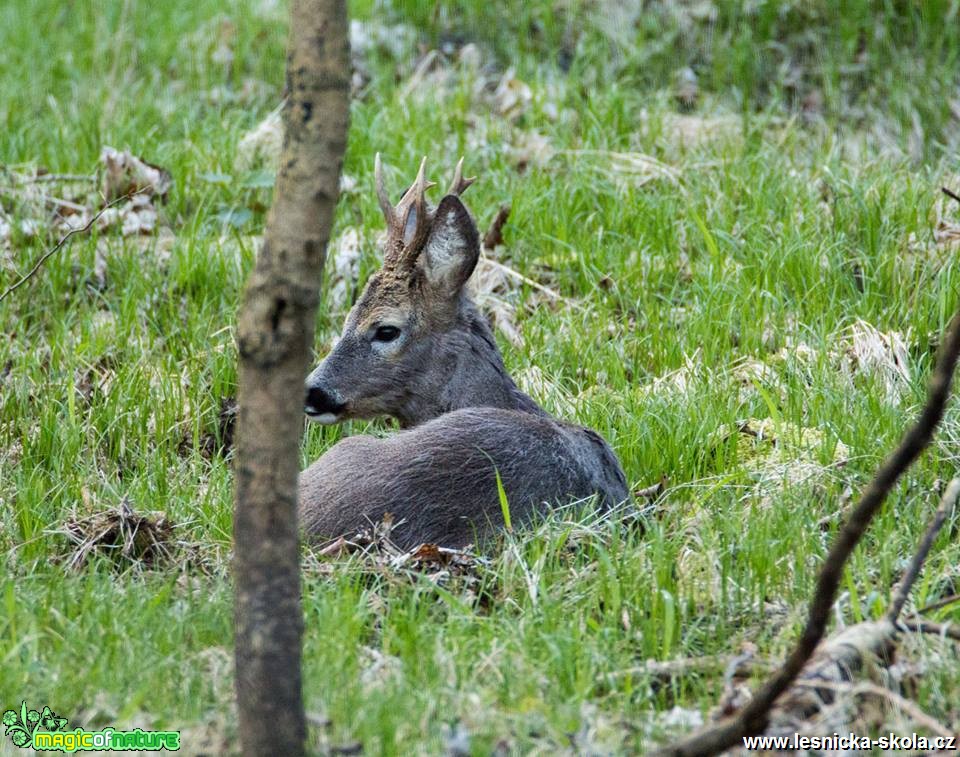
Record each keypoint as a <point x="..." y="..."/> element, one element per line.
<point x="466" y="421"/>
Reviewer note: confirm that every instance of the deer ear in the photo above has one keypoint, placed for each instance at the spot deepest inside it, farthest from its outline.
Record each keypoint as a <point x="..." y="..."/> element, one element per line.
<point x="452" y="248"/>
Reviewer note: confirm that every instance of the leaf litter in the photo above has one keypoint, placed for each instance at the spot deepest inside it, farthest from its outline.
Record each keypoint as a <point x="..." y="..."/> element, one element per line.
<point x="883" y="355"/>
<point x="372" y="551"/>
<point x="123" y="194"/>
<point x="130" y="539"/>
<point x="778" y="453"/>
<point x="124" y="536"/>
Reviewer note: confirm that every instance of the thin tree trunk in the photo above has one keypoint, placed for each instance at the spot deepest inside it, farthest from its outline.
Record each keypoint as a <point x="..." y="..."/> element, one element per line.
<point x="275" y="333"/>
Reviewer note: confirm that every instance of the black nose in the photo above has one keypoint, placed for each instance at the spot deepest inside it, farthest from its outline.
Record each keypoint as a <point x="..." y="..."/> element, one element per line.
<point x="319" y="402"/>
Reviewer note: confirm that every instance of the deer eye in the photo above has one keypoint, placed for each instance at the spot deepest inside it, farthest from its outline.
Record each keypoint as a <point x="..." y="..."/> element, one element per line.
<point x="386" y="333"/>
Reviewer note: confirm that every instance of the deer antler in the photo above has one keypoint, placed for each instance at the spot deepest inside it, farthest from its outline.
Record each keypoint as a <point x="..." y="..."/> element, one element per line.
<point x="412" y="210"/>
<point x="460" y="184"/>
<point x="408" y="222"/>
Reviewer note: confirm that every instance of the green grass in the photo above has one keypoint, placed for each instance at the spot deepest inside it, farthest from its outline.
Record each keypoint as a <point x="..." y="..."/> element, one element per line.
<point x="803" y="214"/>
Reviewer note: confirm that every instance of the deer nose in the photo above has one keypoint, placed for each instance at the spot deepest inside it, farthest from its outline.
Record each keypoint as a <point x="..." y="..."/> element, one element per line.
<point x="322" y="406"/>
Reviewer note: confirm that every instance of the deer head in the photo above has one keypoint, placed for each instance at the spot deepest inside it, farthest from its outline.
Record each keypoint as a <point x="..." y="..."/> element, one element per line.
<point x="413" y="346"/>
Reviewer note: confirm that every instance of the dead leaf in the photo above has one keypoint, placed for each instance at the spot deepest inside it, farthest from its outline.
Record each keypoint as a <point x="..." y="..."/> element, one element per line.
<point x="947" y="235"/>
<point x="546" y="391"/>
<point x="777" y="453"/>
<point x="377" y="552"/>
<point x="368" y="37"/>
<point x="489" y="286"/>
<point x="432" y="77"/>
<point x="653" y="491"/>
<point x="679" y="718"/>
<point x="884" y="355"/>
<point x="512" y="97"/>
<point x="695" y="130"/>
<point x="678" y="380"/>
<point x="124" y="173"/>
<point x="494" y="236"/>
<point x="261" y="145"/>
<point x="530" y="148"/>
<point x="221" y="443"/>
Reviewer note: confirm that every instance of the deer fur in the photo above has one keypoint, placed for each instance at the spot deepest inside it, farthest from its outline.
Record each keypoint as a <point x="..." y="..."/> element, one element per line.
<point x="414" y="347"/>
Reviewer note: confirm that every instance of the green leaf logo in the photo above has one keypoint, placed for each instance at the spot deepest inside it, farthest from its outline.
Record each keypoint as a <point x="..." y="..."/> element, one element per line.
<point x="21" y="726"/>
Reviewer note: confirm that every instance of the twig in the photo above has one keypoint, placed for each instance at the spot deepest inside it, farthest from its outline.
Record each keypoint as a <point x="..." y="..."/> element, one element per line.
<point x="754" y="716"/>
<point x="553" y="295"/>
<point x="902" y="590"/>
<point x="936" y="629"/>
<point x="43" y="258"/>
<point x="494" y="235"/>
<point x="917" y="715"/>
<point x="66" y="177"/>
<point x="938" y="605"/>
<point x="60" y="203"/>
<point x="952" y="195"/>
<point x="653" y="491"/>
<point x="668" y="669"/>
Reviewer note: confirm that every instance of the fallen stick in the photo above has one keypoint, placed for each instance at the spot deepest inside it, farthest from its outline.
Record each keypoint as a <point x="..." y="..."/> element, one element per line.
<point x="845" y="653"/>
<point x="83" y="229"/>
<point x="938" y="605"/>
<point x="666" y="670"/>
<point x="946" y="630"/>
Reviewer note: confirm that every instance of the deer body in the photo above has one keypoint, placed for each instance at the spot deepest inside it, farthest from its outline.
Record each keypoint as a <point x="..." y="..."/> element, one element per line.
<point x="416" y="348"/>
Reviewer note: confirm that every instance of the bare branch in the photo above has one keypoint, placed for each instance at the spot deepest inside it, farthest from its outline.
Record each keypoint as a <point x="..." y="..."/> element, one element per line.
<point x="56" y="201"/>
<point x="937" y="629"/>
<point x="754" y="716"/>
<point x="494" y="235"/>
<point x="666" y="670"/>
<point x="866" y="688"/>
<point x="902" y="590"/>
<point x="49" y="253"/>
<point x="938" y="605"/>
<point x="952" y="195"/>
<point x="48" y="177"/>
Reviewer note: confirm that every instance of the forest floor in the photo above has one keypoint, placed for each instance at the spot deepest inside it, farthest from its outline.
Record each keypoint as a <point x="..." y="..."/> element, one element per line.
<point x="727" y="251"/>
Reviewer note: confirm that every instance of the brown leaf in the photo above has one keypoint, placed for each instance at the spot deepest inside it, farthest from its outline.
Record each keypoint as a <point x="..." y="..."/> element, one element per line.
<point x="124" y="173"/>
<point x="494" y="236"/>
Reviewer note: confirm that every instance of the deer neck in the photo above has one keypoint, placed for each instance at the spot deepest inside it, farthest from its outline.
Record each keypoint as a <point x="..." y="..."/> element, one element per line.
<point x="474" y="372"/>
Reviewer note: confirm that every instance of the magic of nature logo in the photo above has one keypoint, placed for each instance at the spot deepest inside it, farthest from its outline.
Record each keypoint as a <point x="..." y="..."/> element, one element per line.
<point x="46" y="731"/>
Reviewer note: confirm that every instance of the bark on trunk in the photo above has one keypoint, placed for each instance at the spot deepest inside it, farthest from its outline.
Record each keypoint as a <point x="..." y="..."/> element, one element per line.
<point x="275" y="333"/>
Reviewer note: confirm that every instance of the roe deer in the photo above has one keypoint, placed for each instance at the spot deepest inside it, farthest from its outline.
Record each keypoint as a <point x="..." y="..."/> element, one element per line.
<point x="416" y="348"/>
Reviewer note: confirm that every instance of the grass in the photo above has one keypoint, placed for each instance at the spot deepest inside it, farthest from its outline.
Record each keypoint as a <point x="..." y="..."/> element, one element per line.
<point x="810" y="208"/>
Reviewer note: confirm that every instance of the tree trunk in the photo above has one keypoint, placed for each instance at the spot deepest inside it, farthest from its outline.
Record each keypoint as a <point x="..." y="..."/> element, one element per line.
<point x="275" y="333"/>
